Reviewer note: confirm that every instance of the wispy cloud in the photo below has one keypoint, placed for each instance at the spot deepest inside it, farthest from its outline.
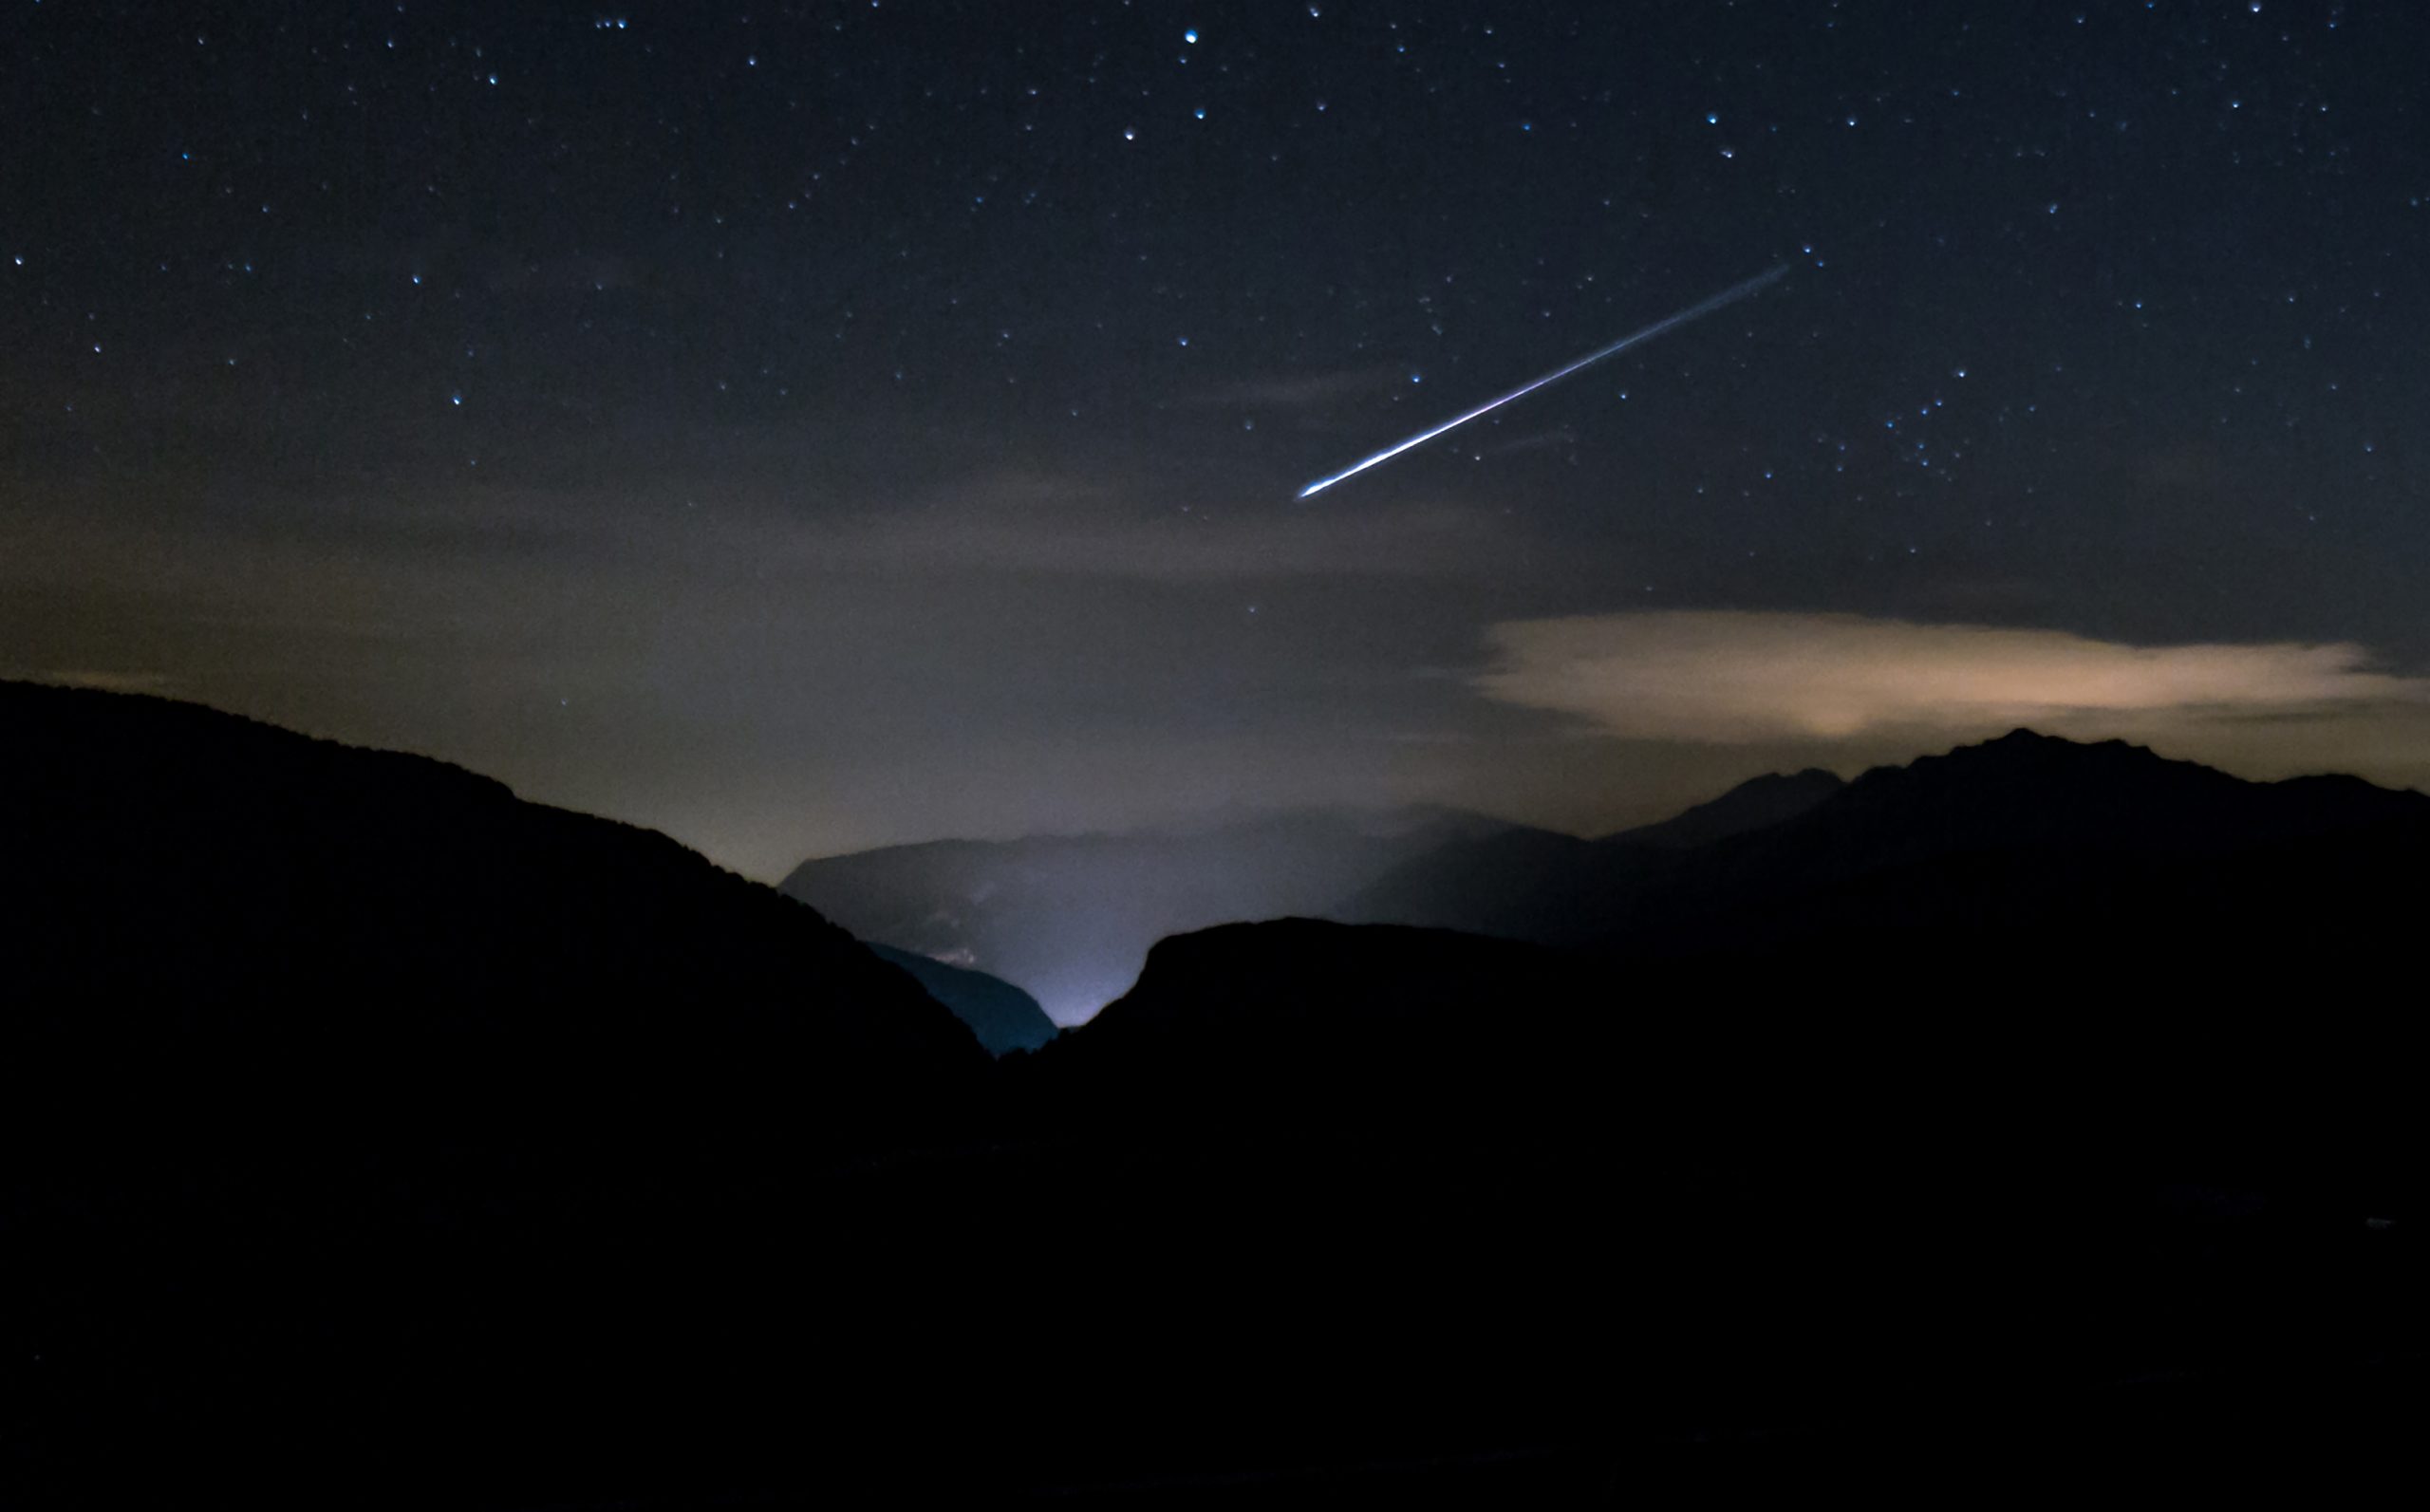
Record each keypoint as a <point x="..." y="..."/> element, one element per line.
<point x="1032" y="524"/>
<point x="1735" y="679"/>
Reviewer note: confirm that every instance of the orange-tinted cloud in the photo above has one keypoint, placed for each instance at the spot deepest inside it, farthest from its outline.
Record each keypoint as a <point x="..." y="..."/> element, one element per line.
<point x="1737" y="679"/>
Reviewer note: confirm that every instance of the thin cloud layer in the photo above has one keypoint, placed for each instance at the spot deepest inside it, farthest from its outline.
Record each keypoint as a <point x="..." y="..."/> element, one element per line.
<point x="1735" y="679"/>
<point x="1032" y="523"/>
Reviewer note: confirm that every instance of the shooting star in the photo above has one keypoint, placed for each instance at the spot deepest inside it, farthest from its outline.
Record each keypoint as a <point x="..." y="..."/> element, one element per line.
<point x="1728" y="296"/>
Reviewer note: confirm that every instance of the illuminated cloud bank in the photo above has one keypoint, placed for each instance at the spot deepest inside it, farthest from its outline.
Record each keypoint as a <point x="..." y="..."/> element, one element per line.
<point x="1735" y="679"/>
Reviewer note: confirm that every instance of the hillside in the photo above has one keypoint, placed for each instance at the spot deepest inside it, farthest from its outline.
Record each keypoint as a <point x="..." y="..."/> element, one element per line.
<point x="390" y="1141"/>
<point x="2026" y="834"/>
<point x="359" y="1105"/>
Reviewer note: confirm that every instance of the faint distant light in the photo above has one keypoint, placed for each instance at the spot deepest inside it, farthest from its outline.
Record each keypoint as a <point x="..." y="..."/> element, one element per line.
<point x="455" y="398"/>
<point x="1191" y="35"/>
<point x="1200" y="112"/>
<point x="1130" y="135"/>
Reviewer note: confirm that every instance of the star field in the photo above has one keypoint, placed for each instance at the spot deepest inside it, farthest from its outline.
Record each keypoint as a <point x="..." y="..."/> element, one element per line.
<point x="809" y="425"/>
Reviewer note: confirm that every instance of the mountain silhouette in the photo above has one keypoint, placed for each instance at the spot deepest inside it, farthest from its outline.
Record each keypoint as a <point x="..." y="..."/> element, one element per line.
<point x="1751" y="805"/>
<point x="1811" y="1193"/>
<point x="1504" y="883"/>
<point x="2022" y="834"/>
<point x="1069" y="917"/>
<point x="383" y="1139"/>
<point x="224" y="876"/>
<point x="373" y="1130"/>
<point x="1004" y="1018"/>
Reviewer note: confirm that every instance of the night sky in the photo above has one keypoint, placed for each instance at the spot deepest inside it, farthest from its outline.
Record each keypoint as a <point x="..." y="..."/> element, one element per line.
<point x="803" y="427"/>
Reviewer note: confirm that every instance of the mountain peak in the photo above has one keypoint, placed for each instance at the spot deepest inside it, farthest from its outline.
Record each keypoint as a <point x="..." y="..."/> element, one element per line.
<point x="1751" y="805"/>
<point x="2025" y="737"/>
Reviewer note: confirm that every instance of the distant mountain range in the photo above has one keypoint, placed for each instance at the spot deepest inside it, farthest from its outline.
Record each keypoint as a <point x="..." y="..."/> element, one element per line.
<point x="2004" y="833"/>
<point x="1069" y="917"/>
<point x="2027" y="835"/>
<point x="1004" y="1018"/>
<point x="1072" y="917"/>
<point x="1504" y="883"/>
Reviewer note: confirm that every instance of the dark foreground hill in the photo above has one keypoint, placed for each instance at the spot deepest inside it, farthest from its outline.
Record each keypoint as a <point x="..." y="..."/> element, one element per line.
<point x="2041" y="1102"/>
<point x="1068" y="918"/>
<point x="1314" y="1213"/>
<point x="1759" y="1219"/>
<point x="374" y="1135"/>
<point x="205" y="886"/>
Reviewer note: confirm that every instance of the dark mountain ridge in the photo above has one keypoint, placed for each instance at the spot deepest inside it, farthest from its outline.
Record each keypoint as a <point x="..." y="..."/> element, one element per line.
<point x="1069" y="917"/>
<point x="2024" y="832"/>
<point x="1489" y="884"/>
<point x="163" y="854"/>
<point x="1754" y="804"/>
<point x="375" y="1135"/>
<point x="383" y="1135"/>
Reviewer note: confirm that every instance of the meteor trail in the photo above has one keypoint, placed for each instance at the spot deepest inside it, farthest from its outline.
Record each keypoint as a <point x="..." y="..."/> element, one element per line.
<point x="1728" y="296"/>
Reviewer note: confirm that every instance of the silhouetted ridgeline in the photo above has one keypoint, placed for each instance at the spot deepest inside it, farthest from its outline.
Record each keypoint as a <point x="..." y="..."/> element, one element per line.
<point x="371" y="1130"/>
<point x="1705" y="1217"/>
<point x="188" y="880"/>
<point x="2094" y="854"/>
<point x="378" y="1138"/>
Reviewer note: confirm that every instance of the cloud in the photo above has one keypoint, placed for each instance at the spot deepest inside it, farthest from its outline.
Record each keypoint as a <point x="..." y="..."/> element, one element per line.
<point x="1734" y="678"/>
<point x="1019" y="522"/>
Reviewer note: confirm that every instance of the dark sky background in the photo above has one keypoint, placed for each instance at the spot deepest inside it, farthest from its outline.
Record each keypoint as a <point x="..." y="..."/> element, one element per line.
<point x="803" y="427"/>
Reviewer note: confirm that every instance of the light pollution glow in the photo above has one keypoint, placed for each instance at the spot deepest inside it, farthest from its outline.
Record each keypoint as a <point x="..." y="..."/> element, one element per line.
<point x="1726" y="677"/>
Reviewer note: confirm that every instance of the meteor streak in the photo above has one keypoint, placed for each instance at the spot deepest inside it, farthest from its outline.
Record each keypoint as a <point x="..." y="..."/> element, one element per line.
<point x="1728" y="296"/>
